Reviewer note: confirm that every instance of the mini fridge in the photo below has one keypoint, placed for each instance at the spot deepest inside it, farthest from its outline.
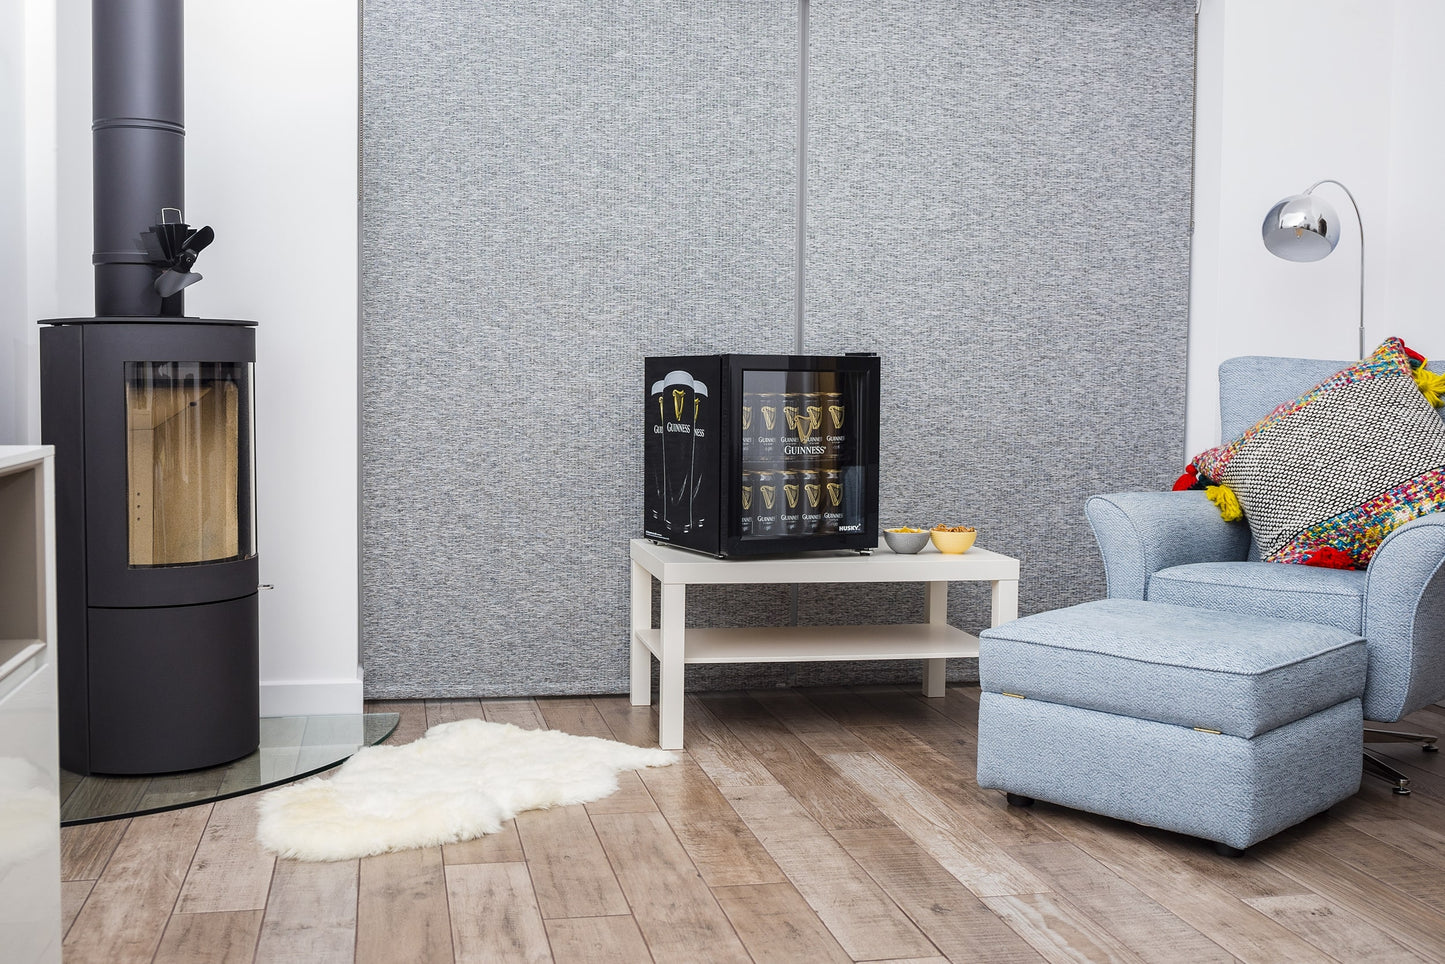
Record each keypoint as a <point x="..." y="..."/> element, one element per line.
<point x="762" y="454"/>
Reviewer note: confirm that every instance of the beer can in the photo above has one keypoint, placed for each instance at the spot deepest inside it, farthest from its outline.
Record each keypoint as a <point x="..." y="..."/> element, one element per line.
<point x="812" y="499"/>
<point x="790" y="506"/>
<point x="749" y="409"/>
<point x="767" y="417"/>
<point x="748" y="493"/>
<point x="767" y="501"/>
<point x="833" y="421"/>
<point x="832" y="500"/>
<point x="803" y="441"/>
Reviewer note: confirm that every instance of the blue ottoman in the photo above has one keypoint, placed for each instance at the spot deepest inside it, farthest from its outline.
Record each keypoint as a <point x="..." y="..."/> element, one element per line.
<point x="1222" y="726"/>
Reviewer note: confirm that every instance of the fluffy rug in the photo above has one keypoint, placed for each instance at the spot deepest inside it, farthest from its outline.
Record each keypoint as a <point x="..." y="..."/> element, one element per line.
<point x="459" y="781"/>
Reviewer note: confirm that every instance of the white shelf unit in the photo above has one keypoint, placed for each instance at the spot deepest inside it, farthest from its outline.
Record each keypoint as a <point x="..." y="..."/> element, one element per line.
<point x="29" y="742"/>
<point x="675" y="646"/>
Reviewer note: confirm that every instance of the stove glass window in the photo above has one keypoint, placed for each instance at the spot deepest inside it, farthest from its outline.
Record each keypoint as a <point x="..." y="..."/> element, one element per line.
<point x="189" y="462"/>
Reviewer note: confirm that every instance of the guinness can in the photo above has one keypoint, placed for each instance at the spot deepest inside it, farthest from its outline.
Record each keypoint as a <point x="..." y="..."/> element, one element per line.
<point x="767" y="419"/>
<point x="767" y="503"/>
<point x="749" y="414"/>
<point x="791" y="505"/>
<point x="832" y="499"/>
<point x="833" y="419"/>
<point x="812" y="500"/>
<point x="748" y="496"/>
<point x="804" y="414"/>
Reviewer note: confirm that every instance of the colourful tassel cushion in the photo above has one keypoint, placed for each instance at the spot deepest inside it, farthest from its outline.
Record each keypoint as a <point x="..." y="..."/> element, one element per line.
<point x="1324" y="478"/>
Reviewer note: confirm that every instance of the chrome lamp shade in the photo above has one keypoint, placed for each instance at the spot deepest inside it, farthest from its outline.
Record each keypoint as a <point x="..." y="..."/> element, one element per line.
<point x="1302" y="227"/>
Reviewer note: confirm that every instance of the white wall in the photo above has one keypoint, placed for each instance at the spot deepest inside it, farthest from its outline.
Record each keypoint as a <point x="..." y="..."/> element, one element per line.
<point x="1291" y="92"/>
<point x="271" y="158"/>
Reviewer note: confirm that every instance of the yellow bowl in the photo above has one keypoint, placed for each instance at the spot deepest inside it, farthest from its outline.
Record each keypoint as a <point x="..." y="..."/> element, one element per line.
<point x="952" y="542"/>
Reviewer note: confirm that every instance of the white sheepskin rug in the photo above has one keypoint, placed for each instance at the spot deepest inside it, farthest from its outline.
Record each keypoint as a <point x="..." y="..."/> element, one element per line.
<point x="461" y="780"/>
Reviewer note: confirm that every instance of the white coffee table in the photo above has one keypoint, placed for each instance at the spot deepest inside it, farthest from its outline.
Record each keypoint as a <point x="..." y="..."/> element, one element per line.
<point x="675" y="645"/>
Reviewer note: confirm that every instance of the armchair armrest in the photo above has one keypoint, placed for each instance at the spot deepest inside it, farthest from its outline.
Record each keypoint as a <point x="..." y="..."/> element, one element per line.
<point x="1140" y="533"/>
<point x="1405" y="620"/>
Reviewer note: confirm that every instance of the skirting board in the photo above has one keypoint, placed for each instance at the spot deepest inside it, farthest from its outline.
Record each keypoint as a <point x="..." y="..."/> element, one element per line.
<point x="311" y="697"/>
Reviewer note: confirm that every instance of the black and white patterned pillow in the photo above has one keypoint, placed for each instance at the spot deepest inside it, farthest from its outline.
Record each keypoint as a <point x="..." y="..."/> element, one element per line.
<point x="1324" y="478"/>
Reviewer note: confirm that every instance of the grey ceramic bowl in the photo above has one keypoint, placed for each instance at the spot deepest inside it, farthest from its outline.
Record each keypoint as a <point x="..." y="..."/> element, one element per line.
<point x="905" y="542"/>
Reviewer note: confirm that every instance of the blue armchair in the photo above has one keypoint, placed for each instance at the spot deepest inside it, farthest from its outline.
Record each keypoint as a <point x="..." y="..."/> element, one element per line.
<point x="1173" y="547"/>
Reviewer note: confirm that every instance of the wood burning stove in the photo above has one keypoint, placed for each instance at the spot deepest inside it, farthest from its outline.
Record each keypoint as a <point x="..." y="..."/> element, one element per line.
<point x="150" y="413"/>
<point x="155" y="541"/>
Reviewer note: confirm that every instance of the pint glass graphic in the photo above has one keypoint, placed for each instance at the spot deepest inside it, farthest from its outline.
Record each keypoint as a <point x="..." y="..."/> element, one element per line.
<point x="652" y="457"/>
<point x="696" y="513"/>
<point x="678" y="411"/>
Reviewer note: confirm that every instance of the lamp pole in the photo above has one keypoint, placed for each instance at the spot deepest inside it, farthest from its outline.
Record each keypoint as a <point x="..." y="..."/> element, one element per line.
<point x="1360" y="223"/>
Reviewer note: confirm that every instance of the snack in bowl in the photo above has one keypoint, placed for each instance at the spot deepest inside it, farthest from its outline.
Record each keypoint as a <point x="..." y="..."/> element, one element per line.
<point x="953" y="539"/>
<point x="905" y="540"/>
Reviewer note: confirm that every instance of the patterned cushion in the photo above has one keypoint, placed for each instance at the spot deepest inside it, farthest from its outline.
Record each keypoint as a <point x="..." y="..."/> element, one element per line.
<point x="1332" y="472"/>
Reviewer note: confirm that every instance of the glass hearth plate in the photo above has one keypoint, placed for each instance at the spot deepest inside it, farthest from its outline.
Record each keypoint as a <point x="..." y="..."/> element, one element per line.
<point x="291" y="747"/>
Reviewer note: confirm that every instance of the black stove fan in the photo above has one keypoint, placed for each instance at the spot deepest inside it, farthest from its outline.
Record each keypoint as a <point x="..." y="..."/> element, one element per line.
<point x="173" y="247"/>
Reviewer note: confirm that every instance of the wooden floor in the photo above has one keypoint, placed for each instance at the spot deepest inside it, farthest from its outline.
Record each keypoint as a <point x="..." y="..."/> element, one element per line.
<point x="799" y="826"/>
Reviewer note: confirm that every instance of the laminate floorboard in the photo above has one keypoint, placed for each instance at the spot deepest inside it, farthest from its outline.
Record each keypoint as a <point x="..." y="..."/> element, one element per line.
<point x="836" y="825"/>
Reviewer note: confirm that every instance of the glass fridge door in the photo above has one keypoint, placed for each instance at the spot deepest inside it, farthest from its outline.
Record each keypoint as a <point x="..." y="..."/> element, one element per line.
<point x="802" y="474"/>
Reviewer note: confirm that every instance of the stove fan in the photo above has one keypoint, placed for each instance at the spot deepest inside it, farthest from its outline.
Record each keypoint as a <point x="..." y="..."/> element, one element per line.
<point x="173" y="247"/>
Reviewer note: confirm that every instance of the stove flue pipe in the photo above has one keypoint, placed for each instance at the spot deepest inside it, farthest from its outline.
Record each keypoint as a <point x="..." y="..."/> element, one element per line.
<point x="138" y="105"/>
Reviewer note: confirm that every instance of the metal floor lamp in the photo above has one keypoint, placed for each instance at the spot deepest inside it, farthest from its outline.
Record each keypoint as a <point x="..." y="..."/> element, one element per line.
<point x="1304" y="227"/>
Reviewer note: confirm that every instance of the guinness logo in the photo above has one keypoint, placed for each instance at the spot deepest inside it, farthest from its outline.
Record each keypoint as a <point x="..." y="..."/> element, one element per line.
<point x="835" y="412"/>
<point x="835" y="493"/>
<point x="770" y="495"/>
<point x="747" y="417"/>
<point x="814" y="493"/>
<point x="791" y="491"/>
<point x="770" y="416"/>
<point x="678" y="396"/>
<point x="747" y="498"/>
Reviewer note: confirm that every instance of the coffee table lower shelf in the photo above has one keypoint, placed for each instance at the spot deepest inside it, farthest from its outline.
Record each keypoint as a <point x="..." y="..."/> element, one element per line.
<point x="797" y="644"/>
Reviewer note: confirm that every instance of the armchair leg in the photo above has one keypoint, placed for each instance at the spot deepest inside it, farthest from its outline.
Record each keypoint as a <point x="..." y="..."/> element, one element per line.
<point x="1376" y="765"/>
<point x="1427" y="741"/>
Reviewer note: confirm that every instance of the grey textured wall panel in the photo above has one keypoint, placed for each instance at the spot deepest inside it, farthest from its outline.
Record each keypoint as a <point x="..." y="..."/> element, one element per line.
<point x="550" y="193"/>
<point x="999" y="200"/>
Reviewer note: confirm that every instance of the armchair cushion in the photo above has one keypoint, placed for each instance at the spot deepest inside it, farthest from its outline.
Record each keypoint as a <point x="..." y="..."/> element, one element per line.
<point x="1334" y="597"/>
<point x="1338" y="468"/>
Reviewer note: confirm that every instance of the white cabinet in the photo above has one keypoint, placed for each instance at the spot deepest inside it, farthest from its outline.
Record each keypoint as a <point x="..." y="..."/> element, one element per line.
<point x="29" y="750"/>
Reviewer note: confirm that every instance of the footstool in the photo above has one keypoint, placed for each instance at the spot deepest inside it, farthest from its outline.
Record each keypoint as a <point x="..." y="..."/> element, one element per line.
<point x="1222" y="726"/>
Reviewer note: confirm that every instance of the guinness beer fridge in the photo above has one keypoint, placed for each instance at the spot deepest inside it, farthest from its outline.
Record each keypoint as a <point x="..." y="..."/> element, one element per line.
<point x="756" y="454"/>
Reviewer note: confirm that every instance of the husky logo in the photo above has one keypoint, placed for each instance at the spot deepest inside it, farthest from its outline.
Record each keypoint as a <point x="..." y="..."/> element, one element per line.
<point x="678" y="395"/>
